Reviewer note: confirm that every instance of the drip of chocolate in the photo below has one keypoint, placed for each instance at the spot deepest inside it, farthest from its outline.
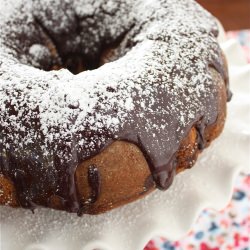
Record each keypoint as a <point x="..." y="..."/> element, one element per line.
<point x="200" y="128"/>
<point x="94" y="180"/>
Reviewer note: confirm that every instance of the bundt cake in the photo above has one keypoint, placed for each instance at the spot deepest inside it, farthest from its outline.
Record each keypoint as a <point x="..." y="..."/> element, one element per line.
<point x="103" y="101"/>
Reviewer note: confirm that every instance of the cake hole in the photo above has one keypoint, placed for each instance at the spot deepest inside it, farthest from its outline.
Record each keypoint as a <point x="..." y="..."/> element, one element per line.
<point x="47" y="58"/>
<point x="51" y="54"/>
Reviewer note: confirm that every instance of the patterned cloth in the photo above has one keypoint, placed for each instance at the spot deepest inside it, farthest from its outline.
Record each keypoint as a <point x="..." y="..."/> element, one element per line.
<point x="243" y="37"/>
<point x="225" y="230"/>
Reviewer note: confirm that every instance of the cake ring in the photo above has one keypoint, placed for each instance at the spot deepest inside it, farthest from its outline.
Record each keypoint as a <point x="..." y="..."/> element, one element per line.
<point x="103" y="101"/>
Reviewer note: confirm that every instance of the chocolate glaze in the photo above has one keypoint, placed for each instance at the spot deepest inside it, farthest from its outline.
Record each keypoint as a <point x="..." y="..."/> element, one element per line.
<point x="200" y="128"/>
<point x="94" y="180"/>
<point x="37" y="176"/>
<point x="148" y="184"/>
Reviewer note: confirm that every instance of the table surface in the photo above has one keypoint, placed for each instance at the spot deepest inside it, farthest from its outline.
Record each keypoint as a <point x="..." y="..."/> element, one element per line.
<point x="233" y="14"/>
